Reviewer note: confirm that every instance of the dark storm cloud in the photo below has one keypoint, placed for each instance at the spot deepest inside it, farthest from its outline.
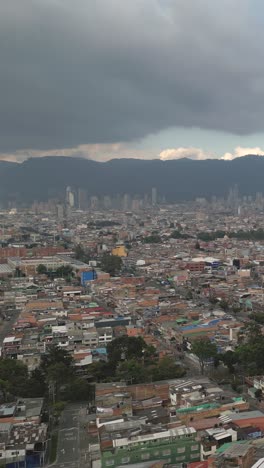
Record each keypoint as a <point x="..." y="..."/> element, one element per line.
<point x="101" y="71"/>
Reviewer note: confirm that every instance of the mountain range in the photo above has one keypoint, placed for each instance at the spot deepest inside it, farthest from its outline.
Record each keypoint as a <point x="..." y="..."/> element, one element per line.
<point x="39" y="179"/>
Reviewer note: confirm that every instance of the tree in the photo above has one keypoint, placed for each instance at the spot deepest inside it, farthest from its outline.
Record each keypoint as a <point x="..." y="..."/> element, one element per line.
<point x="178" y="235"/>
<point x="78" y="390"/>
<point x="189" y="295"/>
<point x="258" y="317"/>
<point x="41" y="269"/>
<point x="132" y="371"/>
<point x="102" y="371"/>
<point x="82" y="254"/>
<point x="57" y="368"/>
<point x="36" y="386"/>
<point x="152" y="239"/>
<point x="224" y="305"/>
<point x="111" y="264"/>
<point x="14" y="376"/>
<point x="212" y="299"/>
<point x="236" y="308"/>
<point x="57" y="374"/>
<point x="19" y="273"/>
<point x="249" y="333"/>
<point x="229" y="359"/>
<point x="205" y="350"/>
<point x="4" y="389"/>
<point x="55" y="355"/>
<point x="167" y="369"/>
<point x="65" y="271"/>
<point x="250" y="356"/>
<point x="127" y="348"/>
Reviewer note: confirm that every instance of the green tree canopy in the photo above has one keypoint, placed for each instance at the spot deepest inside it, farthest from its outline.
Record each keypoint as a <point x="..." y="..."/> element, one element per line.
<point x="55" y="355"/>
<point x="82" y="254"/>
<point x="132" y="371"/>
<point x="257" y="317"/>
<point x="179" y="235"/>
<point x="111" y="264"/>
<point x="250" y="333"/>
<point x="230" y="359"/>
<point x="167" y="369"/>
<point x="204" y="349"/>
<point x="152" y="239"/>
<point x="65" y="271"/>
<point x="41" y="269"/>
<point x="127" y="348"/>
<point x="14" y="376"/>
<point x="258" y="393"/>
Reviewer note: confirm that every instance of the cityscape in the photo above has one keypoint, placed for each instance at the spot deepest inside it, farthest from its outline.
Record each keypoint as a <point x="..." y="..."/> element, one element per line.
<point x="131" y="234"/>
<point x="132" y="335"/>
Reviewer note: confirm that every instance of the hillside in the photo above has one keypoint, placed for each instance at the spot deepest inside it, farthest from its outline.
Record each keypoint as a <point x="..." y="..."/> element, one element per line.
<point x="183" y="179"/>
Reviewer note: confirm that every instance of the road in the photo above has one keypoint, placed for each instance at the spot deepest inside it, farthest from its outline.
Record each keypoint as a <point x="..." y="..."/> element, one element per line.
<point x="7" y="325"/>
<point x="73" y="443"/>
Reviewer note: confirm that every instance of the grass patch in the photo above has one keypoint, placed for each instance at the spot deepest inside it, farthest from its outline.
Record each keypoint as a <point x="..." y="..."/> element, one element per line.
<point x="53" y="447"/>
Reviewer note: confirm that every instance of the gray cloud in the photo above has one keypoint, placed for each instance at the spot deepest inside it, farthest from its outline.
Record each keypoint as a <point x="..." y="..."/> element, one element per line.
<point x="105" y="71"/>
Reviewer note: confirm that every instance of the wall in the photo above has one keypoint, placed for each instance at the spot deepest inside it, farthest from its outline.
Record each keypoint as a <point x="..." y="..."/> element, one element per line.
<point x="176" y="451"/>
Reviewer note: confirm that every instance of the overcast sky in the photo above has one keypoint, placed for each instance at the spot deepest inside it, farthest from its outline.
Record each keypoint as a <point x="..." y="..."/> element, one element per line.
<point x="122" y="78"/>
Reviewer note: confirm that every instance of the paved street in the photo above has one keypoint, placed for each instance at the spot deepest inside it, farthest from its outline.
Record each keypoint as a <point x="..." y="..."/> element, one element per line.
<point x="73" y="441"/>
<point x="6" y="326"/>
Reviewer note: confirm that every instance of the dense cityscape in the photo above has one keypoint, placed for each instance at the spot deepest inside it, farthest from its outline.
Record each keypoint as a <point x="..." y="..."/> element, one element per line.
<point x="131" y="234"/>
<point x="132" y="334"/>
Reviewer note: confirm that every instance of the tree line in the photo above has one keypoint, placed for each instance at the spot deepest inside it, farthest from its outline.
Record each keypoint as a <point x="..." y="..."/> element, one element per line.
<point x="129" y="359"/>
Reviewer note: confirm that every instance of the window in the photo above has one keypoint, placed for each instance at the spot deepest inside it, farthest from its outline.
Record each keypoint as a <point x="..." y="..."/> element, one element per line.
<point x="181" y="450"/>
<point x="194" y="456"/>
<point x="166" y="452"/>
<point x="145" y="456"/>
<point x="110" y="462"/>
<point x="179" y="459"/>
<point x="194" y="447"/>
<point x="125" y="460"/>
<point x="156" y="453"/>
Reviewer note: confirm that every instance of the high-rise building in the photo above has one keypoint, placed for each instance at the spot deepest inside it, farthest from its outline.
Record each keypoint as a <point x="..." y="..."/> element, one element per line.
<point x="126" y="202"/>
<point x="82" y="199"/>
<point x="94" y="203"/>
<point x="154" y="196"/>
<point x="107" y="202"/>
<point x="70" y="197"/>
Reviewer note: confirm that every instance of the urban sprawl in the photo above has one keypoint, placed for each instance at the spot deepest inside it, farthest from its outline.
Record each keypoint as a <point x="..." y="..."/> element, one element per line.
<point x="131" y="332"/>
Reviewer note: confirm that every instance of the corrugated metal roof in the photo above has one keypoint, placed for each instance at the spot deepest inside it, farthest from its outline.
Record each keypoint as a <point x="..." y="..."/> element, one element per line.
<point x="4" y="268"/>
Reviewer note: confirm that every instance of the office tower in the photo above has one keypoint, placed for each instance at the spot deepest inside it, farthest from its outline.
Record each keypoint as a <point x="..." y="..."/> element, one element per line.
<point x="154" y="196"/>
<point x="126" y="202"/>
<point x="70" y="197"/>
<point x="82" y="199"/>
<point x="94" y="203"/>
<point x="107" y="202"/>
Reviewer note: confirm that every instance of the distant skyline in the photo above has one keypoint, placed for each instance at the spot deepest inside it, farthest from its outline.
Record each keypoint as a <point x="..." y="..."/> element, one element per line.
<point x="147" y="79"/>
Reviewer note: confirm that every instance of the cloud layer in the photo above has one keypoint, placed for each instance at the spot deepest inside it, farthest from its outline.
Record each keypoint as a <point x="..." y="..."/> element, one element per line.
<point x="178" y="153"/>
<point x="106" y="152"/>
<point x="199" y="154"/>
<point x="239" y="151"/>
<point x="107" y="71"/>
